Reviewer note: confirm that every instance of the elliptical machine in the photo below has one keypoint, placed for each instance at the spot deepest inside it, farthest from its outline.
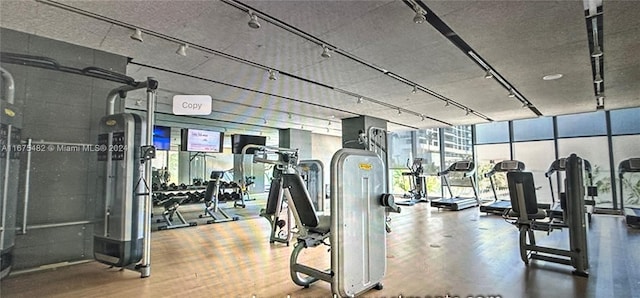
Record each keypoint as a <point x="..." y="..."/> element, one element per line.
<point x="417" y="182"/>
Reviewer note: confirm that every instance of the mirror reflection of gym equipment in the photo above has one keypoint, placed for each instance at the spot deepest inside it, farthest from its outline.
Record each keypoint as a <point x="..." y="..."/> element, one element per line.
<point x="455" y="203"/>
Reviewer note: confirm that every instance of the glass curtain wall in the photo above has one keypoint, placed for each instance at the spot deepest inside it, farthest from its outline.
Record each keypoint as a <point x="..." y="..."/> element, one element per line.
<point x="585" y="135"/>
<point x="400" y="152"/>
<point x="492" y="146"/>
<point x="458" y="146"/>
<point x="625" y="140"/>
<point x="428" y="148"/>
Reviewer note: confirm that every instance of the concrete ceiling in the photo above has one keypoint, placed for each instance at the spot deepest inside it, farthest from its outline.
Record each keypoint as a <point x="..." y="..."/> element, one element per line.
<point x="521" y="40"/>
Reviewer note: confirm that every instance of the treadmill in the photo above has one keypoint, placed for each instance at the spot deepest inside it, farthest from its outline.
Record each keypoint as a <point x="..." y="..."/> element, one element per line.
<point x="554" y="211"/>
<point x="458" y="203"/>
<point x="499" y="206"/>
<point x="631" y="214"/>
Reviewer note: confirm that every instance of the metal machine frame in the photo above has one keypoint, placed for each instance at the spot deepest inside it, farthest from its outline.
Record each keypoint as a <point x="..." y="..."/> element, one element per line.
<point x="458" y="203"/>
<point x="555" y="209"/>
<point x="526" y="213"/>
<point x="10" y="140"/>
<point x="631" y="215"/>
<point x="211" y="201"/>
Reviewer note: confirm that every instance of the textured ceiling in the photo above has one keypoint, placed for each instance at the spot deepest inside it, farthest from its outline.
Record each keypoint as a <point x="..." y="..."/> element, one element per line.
<point x="522" y="40"/>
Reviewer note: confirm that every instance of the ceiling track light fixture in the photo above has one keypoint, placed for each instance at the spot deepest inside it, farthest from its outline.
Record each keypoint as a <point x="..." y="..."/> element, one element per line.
<point x="600" y="102"/>
<point x="264" y="120"/>
<point x="421" y="117"/>
<point x="273" y="74"/>
<point x="182" y="50"/>
<point x="446" y="103"/>
<point x="359" y="99"/>
<point x="253" y="20"/>
<point x="597" y="52"/>
<point x="598" y="79"/>
<point x="399" y="111"/>
<point x="419" y="18"/>
<point x="415" y="89"/>
<point x="525" y="105"/>
<point x="326" y="52"/>
<point x="137" y="35"/>
<point x="488" y="74"/>
<point x="511" y="93"/>
<point x="467" y="111"/>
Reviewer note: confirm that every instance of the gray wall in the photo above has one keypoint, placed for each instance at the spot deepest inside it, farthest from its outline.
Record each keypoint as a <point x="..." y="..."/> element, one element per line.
<point x="58" y="107"/>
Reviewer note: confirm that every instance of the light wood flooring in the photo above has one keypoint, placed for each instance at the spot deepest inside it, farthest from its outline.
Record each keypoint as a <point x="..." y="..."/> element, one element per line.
<point x="430" y="253"/>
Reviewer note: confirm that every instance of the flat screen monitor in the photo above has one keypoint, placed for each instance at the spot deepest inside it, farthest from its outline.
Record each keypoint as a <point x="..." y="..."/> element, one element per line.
<point x="198" y="140"/>
<point x="162" y="137"/>
<point x="240" y="141"/>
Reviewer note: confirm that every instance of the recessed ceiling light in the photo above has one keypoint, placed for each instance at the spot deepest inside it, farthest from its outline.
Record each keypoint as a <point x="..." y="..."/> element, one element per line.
<point x="552" y="77"/>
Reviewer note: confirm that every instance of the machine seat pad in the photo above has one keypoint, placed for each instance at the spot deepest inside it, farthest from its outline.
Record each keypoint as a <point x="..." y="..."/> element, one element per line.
<point x="541" y="214"/>
<point x="324" y="225"/>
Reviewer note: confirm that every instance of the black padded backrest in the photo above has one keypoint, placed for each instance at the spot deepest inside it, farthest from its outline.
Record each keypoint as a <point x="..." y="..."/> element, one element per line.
<point x="529" y="188"/>
<point x="208" y="194"/>
<point x="301" y="199"/>
<point x="274" y="195"/>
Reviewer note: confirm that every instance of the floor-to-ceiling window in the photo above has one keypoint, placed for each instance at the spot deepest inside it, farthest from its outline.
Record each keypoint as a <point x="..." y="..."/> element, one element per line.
<point x="491" y="146"/>
<point x="625" y="143"/>
<point x="428" y="148"/>
<point x="533" y="145"/>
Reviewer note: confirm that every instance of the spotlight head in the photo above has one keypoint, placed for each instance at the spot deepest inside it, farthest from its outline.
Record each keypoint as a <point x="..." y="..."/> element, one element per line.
<point x="360" y="99"/>
<point x="273" y="75"/>
<point x="597" y="52"/>
<point x="137" y="35"/>
<point x="511" y="94"/>
<point x="600" y="102"/>
<point x="415" y="89"/>
<point x="182" y="50"/>
<point x="598" y="79"/>
<point x="419" y="18"/>
<point x="326" y="52"/>
<point x="253" y="20"/>
<point x="488" y="74"/>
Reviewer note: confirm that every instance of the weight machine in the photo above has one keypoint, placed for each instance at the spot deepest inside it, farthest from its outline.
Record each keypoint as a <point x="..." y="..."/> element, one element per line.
<point x="277" y="210"/>
<point x="123" y="237"/>
<point x="417" y="182"/>
<point x="351" y="237"/>
<point x="525" y="215"/>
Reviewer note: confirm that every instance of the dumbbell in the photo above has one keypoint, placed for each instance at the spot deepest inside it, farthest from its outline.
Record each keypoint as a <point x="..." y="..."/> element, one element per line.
<point x="155" y="186"/>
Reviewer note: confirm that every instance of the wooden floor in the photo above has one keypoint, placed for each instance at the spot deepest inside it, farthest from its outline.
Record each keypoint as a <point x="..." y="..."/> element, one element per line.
<point x="430" y="253"/>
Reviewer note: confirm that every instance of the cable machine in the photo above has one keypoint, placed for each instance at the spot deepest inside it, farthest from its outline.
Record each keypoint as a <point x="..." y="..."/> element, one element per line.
<point x="123" y="237"/>
<point x="10" y="136"/>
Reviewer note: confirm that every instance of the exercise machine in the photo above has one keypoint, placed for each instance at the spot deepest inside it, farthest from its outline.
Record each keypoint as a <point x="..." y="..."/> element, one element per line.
<point x="10" y="141"/>
<point x="171" y="216"/>
<point x="417" y="182"/>
<point x="499" y="206"/>
<point x="358" y="243"/>
<point x="631" y="214"/>
<point x="467" y="168"/>
<point x="312" y="172"/>
<point x="277" y="210"/>
<point x="122" y="237"/>
<point x="555" y="209"/>
<point x="526" y="217"/>
<point x="211" y="202"/>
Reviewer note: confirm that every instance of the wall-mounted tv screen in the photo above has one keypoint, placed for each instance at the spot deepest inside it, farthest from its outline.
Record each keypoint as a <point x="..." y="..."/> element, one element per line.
<point x="239" y="141"/>
<point x="162" y="137"/>
<point x="198" y="140"/>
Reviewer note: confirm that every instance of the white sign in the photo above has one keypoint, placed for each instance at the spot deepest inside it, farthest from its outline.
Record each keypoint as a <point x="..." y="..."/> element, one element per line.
<point x="191" y="104"/>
